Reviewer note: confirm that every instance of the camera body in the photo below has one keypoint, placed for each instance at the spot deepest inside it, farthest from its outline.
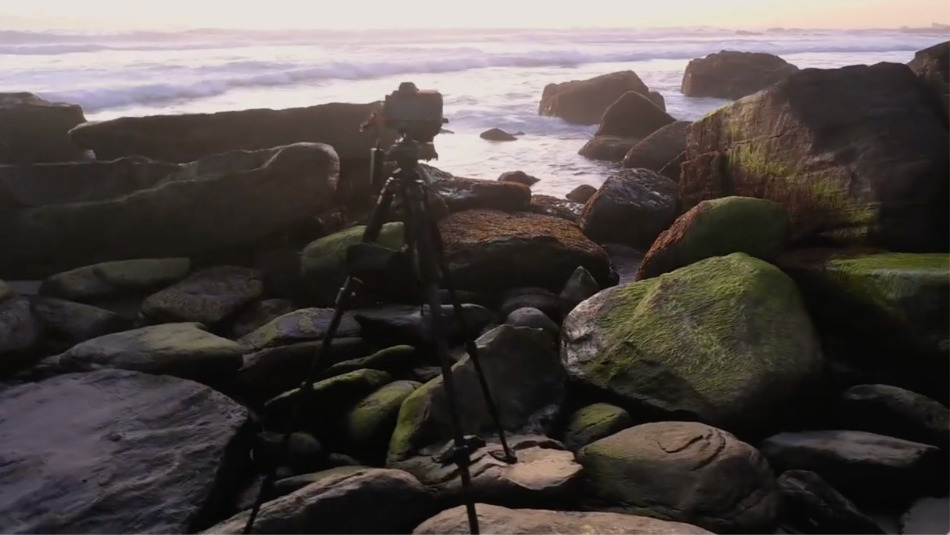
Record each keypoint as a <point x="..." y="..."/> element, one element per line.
<point x="413" y="112"/>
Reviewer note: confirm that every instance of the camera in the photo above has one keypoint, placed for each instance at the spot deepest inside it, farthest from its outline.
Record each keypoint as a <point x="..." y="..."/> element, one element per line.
<point x="414" y="113"/>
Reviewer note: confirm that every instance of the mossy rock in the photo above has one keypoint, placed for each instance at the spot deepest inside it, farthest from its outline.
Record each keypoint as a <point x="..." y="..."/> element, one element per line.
<point x="323" y="262"/>
<point x="109" y="279"/>
<point x="304" y="325"/>
<point x="5" y="290"/>
<point x="210" y="296"/>
<point x="718" y="227"/>
<point x="594" y="422"/>
<point x="369" y="425"/>
<point x="391" y="359"/>
<point x="725" y="341"/>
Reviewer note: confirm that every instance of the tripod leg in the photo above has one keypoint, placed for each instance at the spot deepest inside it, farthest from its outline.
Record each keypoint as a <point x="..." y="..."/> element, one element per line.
<point x="508" y="455"/>
<point x="370" y="234"/>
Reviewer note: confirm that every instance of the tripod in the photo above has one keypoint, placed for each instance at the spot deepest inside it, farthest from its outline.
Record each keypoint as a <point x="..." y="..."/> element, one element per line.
<point x="424" y="243"/>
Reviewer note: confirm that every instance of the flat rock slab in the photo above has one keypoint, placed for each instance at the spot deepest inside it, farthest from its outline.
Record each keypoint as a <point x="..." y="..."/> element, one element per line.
<point x="112" y="451"/>
<point x="304" y="325"/>
<point x="107" y="279"/>
<point x="209" y="296"/>
<point x="495" y="519"/>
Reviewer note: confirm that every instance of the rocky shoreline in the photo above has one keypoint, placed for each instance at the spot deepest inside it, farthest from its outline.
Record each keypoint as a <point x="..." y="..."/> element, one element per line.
<point x="743" y="331"/>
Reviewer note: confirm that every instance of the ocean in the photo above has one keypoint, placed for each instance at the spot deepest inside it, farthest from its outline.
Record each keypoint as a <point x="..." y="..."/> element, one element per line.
<point x="489" y="78"/>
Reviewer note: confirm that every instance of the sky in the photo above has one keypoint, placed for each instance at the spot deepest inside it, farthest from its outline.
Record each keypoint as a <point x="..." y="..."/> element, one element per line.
<point x="356" y="14"/>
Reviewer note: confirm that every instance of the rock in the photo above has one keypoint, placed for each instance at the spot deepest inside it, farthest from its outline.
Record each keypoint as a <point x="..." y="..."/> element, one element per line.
<point x="579" y="287"/>
<point x="594" y="422"/>
<point x="868" y="468"/>
<point x="544" y="473"/>
<point x="814" y="506"/>
<point x="60" y="216"/>
<point x="338" y="504"/>
<point x="532" y="318"/>
<point x="632" y="207"/>
<point x="393" y="359"/>
<point x="891" y="308"/>
<point x="183" y="350"/>
<point x="585" y="101"/>
<point x="33" y="130"/>
<point x="552" y="206"/>
<point x="496" y="134"/>
<point x="127" y="453"/>
<point x="495" y="519"/>
<point x="66" y="324"/>
<point x="407" y="324"/>
<point x="326" y="405"/>
<point x="259" y="314"/>
<point x="581" y="193"/>
<point x="750" y="344"/>
<point x="658" y="149"/>
<point x="544" y="300"/>
<point x="812" y="143"/>
<point x="491" y="251"/>
<point x="733" y="75"/>
<point x="462" y="194"/>
<point x="657" y="99"/>
<point x="120" y="285"/>
<point x="287" y="485"/>
<point x="518" y="177"/>
<point x="323" y="262"/>
<point x="932" y="67"/>
<point x="20" y="332"/>
<point x="608" y="148"/>
<point x="625" y="260"/>
<point x="892" y="411"/>
<point x="927" y="515"/>
<point x="718" y="227"/>
<point x="210" y="296"/>
<point x="197" y="135"/>
<point x="304" y="325"/>
<point x="303" y="452"/>
<point x="685" y="472"/>
<point x="633" y="115"/>
<point x="524" y="374"/>
<point x="369" y="425"/>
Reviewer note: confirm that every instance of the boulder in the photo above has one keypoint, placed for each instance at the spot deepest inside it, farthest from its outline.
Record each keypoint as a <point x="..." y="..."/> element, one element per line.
<point x="187" y="137"/>
<point x="367" y="500"/>
<point x="495" y="519"/>
<point x="814" y="506"/>
<point x="733" y="75"/>
<point x="657" y="99"/>
<point x="369" y="425"/>
<point x="21" y="331"/>
<point x="116" y="451"/>
<point x="461" y="193"/>
<point x="59" y="216"/>
<point x="544" y="300"/>
<point x="608" y="148"/>
<point x="868" y="468"/>
<point x="258" y="314"/>
<point x="33" y="130"/>
<point x="633" y="115"/>
<point x="210" y="296"/>
<point x="395" y="359"/>
<point x="927" y="515"/>
<point x="497" y="134"/>
<point x="632" y="207"/>
<point x="585" y="101"/>
<point x="489" y="250"/>
<point x="812" y="143"/>
<point x="657" y="150"/>
<point x="408" y="324"/>
<point x="183" y="350"/>
<point x="892" y="411"/>
<point x="304" y="325"/>
<point x="552" y="206"/>
<point x="119" y="284"/>
<point x="519" y="177"/>
<point x="684" y="472"/>
<point x="594" y="422"/>
<point x="581" y="193"/>
<point x="524" y="374"/>
<point x="66" y="324"/>
<point x="718" y="227"/>
<point x="532" y="318"/>
<point x="579" y="287"/>
<point x="725" y="341"/>
<point x="302" y="454"/>
<point x="932" y="67"/>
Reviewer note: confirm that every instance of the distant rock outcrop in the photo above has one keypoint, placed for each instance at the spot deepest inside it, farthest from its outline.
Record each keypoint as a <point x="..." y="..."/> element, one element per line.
<point x="733" y="75"/>
<point x="584" y="101"/>
<point x="33" y="130"/>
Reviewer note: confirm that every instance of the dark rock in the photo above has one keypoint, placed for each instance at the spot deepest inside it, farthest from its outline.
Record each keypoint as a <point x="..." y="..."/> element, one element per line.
<point x="633" y="115"/>
<point x="495" y="519"/>
<point x="585" y="101"/>
<point x="892" y="411"/>
<point x="259" y="314"/>
<point x="532" y="318"/>
<point x="581" y="193"/>
<point x="392" y="359"/>
<point x="544" y="300"/>
<point x="304" y="325"/>
<point x="932" y="67"/>
<point x="630" y="340"/>
<point x="730" y="74"/>
<point x="424" y="374"/>
<point x="33" y="130"/>
<point x="407" y="324"/>
<point x="657" y="150"/>
<point x="115" y="451"/>
<point x="524" y="373"/>
<point x="927" y="515"/>
<point x="594" y="422"/>
<point x="657" y="99"/>
<point x="369" y="425"/>
<point x="341" y="459"/>
<point x="686" y="472"/>
<point x="20" y="331"/>
<point x="868" y="468"/>
<point x="555" y="207"/>
<point x="490" y="251"/>
<point x="579" y="287"/>
<point x="303" y="453"/>
<point x="370" y="500"/>
<point x="632" y="207"/>
<point x="497" y="134"/>
<point x="625" y="260"/>
<point x="287" y="485"/>
<point x="718" y="227"/>
<point x="66" y="324"/>
<point x="608" y="148"/>
<point x="814" y="506"/>
<point x="519" y="177"/>
<point x="210" y="296"/>
<point x="472" y="193"/>
<point x="812" y="143"/>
